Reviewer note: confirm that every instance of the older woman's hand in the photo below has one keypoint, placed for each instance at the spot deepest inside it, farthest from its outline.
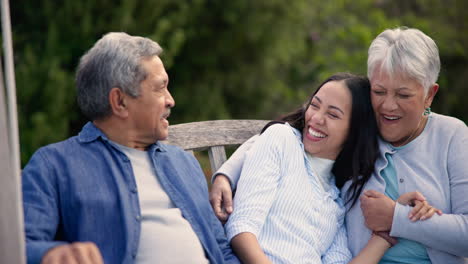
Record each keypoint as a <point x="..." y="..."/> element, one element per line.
<point x="422" y="209"/>
<point x="378" y="210"/>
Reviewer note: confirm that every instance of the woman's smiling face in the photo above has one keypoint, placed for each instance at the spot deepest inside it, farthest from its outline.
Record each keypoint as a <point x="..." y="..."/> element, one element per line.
<point x="327" y="120"/>
<point x="399" y="104"/>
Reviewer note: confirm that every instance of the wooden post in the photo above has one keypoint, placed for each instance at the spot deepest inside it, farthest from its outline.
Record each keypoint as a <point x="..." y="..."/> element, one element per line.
<point x="12" y="249"/>
<point x="217" y="156"/>
<point x="11" y="210"/>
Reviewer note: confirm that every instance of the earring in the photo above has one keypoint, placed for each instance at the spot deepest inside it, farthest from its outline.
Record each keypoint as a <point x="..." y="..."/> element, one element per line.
<point x="427" y="111"/>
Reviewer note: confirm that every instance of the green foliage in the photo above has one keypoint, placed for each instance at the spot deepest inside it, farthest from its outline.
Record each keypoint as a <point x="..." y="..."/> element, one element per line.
<point x="226" y="59"/>
<point x="449" y="29"/>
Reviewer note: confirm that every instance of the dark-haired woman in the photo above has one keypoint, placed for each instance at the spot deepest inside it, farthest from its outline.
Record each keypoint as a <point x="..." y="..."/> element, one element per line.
<point x="287" y="205"/>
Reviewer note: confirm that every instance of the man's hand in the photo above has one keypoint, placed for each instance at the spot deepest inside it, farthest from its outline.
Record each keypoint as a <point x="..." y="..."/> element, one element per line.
<point x="377" y="210"/>
<point x="221" y="197"/>
<point x="75" y="253"/>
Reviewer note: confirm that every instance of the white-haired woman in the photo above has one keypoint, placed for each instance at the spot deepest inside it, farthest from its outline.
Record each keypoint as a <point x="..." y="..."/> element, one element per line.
<point x="420" y="150"/>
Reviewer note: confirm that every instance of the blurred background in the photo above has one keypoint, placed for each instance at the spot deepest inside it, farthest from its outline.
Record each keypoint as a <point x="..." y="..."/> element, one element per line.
<point x="241" y="59"/>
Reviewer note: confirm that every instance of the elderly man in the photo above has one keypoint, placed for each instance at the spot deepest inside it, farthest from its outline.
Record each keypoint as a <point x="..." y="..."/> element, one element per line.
<point x="114" y="193"/>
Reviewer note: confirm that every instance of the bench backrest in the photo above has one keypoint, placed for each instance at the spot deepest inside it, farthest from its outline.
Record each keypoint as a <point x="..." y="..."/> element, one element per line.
<point x="213" y="136"/>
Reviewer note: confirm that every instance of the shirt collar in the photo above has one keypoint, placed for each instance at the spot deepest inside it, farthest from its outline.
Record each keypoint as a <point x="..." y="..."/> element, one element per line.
<point x="297" y="133"/>
<point x="90" y="133"/>
<point x="334" y="191"/>
<point x="385" y="147"/>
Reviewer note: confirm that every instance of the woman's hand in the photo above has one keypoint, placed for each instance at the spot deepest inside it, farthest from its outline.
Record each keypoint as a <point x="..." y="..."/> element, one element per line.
<point x="422" y="209"/>
<point x="377" y="209"/>
<point x="221" y="197"/>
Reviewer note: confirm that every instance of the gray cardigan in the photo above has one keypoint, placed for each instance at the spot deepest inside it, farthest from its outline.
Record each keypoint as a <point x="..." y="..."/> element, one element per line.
<point x="435" y="164"/>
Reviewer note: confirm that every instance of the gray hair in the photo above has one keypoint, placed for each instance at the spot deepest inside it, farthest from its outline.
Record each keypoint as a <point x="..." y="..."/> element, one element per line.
<point x="114" y="61"/>
<point x="407" y="53"/>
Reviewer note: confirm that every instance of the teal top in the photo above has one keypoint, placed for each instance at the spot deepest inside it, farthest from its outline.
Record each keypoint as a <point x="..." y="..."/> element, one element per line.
<point x="405" y="251"/>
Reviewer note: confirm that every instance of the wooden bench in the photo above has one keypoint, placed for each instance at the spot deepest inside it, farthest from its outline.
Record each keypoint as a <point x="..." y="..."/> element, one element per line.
<point x="197" y="136"/>
<point x="213" y="136"/>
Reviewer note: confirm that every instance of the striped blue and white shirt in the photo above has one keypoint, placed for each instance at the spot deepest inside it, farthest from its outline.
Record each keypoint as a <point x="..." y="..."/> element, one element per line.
<point x="281" y="201"/>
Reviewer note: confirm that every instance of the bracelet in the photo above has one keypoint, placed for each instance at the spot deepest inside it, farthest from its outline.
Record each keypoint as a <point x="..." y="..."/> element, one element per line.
<point x="386" y="235"/>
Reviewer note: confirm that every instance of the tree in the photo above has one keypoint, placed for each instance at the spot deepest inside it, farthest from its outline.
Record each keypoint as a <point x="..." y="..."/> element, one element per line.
<point x="225" y="59"/>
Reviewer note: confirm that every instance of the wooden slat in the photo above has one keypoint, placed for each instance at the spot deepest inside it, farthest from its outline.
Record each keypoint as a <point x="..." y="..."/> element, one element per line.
<point x="217" y="156"/>
<point x="202" y="135"/>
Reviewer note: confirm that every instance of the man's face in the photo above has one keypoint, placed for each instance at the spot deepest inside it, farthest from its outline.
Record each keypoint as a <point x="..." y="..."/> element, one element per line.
<point x="149" y="111"/>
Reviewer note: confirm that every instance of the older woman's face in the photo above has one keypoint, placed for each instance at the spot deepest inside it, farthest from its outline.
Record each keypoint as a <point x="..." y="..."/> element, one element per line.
<point x="399" y="104"/>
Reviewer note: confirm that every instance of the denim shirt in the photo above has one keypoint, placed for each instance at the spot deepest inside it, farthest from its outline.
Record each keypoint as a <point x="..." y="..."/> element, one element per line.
<point x="83" y="189"/>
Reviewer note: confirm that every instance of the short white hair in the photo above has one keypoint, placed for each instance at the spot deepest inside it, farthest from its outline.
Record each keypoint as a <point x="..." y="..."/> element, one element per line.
<point x="406" y="53"/>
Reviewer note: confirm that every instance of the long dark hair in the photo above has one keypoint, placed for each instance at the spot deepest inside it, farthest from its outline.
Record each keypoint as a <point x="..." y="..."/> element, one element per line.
<point x="356" y="160"/>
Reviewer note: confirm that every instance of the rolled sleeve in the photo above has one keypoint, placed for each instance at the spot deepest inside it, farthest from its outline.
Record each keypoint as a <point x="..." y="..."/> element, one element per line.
<point x="241" y="226"/>
<point x="257" y="186"/>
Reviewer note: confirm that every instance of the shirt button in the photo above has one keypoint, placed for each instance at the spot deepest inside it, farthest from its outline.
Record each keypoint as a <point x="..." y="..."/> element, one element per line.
<point x="138" y="217"/>
<point x="401" y="180"/>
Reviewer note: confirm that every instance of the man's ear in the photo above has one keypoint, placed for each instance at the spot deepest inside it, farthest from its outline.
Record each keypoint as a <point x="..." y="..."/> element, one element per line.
<point x="431" y="94"/>
<point x="117" y="102"/>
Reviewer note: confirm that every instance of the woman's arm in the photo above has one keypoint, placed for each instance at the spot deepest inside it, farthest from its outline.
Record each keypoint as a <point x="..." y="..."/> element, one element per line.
<point x="233" y="166"/>
<point x="378" y="245"/>
<point x="258" y="184"/>
<point x="246" y="246"/>
<point x="373" y="252"/>
<point x="225" y="180"/>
